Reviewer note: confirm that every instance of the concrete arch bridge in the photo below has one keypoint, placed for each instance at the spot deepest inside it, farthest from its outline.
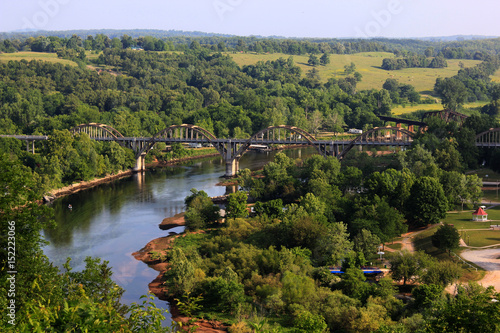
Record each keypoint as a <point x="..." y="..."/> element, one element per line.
<point x="233" y="149"/>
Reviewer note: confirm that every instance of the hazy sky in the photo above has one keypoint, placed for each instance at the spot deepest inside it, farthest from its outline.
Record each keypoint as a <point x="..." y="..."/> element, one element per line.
<point x="290" y="18"/>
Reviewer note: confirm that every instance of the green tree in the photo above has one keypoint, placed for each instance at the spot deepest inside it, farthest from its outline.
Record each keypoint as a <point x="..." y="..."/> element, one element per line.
<point x="426" y="294"/>
<point x="472" y="309"/>
<point x="427" y="203"/>
<point x="446" y="238"/>
<point x="225" y="287"/>
<point x="349" y="69"/>
<point x="325" y="59"/>
<point x="313" y="60"/>
<point x="452" y="91"/>
<point x="333" y="245"/>
<point x="237" y="205"/>
<point x="407" y="265"/>
<point x="366" y="243"/>
<point x="305" y="321"/>
<point x="354" y="284"/>
<point x="201" y="211"/>
<point x="442" y="273"/>
<point x="180" y="277"/>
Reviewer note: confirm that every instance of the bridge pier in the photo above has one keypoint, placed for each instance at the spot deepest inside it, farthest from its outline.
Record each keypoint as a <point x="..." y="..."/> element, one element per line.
<point x="30" y="146"/>
<point x="140" y="164"/>
<point x="231" y="168"/>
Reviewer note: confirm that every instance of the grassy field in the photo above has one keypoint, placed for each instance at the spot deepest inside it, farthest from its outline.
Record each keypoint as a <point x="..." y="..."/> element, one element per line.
<point x="479" y="238"/>
<point x="50" y="57"/>
<point x="368" y="64"/>
<point x="395" y="246"/>
<point x="399" y="110"/>
<point x="463" y="220"/>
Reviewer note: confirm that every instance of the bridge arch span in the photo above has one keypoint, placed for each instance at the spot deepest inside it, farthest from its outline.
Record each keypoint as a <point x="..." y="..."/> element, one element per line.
<point x="180" y="133"/>
<point x="290" y="134"/>
<point x="97" y="130"/>
<point x="387" y="135"/>
<point x="489" y="138"/>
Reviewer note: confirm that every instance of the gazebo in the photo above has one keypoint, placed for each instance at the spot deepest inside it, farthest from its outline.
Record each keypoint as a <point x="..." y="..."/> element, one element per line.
<point x="480" y="215"/>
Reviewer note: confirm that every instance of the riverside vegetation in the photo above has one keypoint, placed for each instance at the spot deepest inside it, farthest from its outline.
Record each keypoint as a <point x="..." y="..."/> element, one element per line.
<point x="270" y="269"/>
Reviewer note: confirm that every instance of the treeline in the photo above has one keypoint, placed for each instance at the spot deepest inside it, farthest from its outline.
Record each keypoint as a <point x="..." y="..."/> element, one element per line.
<point x="168" y="41"/>
<point x="419" y="61"/>
<point x="101" y="41"/>
<point x="470" y="85"/>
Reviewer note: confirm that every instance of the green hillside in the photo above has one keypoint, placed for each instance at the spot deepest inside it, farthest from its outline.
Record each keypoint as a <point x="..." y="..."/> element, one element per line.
<point x="368" y="64"/>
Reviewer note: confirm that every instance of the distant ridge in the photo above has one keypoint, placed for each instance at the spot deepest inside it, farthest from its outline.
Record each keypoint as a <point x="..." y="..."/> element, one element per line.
<point x="111" y="33"/>
<point x="455" y="38"/>
<point x="134" y="33"/>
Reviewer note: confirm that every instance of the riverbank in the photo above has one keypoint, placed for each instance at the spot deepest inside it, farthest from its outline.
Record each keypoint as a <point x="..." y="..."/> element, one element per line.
<point x="151" y="255"/>
<point x="83" y="185"/>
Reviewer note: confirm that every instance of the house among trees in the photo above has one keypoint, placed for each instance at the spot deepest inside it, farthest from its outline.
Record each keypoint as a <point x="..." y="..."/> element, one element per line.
<point x="480" y="215"/>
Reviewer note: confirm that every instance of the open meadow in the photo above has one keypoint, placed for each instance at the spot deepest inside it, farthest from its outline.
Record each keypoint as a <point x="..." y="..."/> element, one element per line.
<point x="28" y="56"/>
<point x="399" y="110"/>
<point x="368" y="64"/>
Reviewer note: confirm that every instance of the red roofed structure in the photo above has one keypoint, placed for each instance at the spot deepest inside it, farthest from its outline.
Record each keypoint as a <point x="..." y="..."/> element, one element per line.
<point x="480" y="215"/>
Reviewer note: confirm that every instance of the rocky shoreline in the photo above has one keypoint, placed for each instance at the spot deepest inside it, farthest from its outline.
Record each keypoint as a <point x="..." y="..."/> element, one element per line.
<point x="161" y="246"/>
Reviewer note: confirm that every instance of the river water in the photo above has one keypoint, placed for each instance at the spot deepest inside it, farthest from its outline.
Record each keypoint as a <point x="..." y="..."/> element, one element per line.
<point x="113" y="220"/>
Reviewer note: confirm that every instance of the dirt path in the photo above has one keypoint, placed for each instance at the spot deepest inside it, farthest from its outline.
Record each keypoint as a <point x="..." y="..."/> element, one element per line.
<point x="407" y="241"/>
<point x="489" y="260"/>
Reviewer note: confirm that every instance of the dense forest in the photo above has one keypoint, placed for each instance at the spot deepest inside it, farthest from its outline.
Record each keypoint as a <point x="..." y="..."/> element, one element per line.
<point x="309" y="214"/>
<point x="272" y="269"/>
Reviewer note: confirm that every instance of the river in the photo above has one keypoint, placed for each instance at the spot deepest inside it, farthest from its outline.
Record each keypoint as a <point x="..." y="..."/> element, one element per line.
<point x="113" y="220"/>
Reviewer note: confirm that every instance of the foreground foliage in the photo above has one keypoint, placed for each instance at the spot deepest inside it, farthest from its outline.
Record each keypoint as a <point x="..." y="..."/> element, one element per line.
<point x="46" y="299"/>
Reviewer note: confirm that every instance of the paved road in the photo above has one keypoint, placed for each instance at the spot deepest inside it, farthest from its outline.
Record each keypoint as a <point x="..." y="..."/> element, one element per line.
<point x="489" y="259"/>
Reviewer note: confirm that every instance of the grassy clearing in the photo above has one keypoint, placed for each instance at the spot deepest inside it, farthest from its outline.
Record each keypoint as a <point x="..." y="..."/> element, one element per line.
<point x="50" y="57"/>
<point x="399" y="110"/>
<point x="423" y="242"/>
<point x="480" y="238"/>
<point x="470" y="274"/>
<point x="368" y="64"/>
<point x="463" y="220"/>
<point x="395" y="246"/>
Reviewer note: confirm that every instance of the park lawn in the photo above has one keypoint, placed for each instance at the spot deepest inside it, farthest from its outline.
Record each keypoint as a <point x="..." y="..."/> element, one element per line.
<point x="368" y="64"/>
<point x="423" y="242"/>
<point x="399" y="110"/>
<point x="395" y="246"/>
<point x="463" y="220"/>
<point x="50" y="57"/>
<point x="480" y="238"/>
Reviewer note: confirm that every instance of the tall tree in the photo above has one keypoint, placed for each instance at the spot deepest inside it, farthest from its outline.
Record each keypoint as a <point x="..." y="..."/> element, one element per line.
<point x="427" y="203"/>
<point x="446" y="238"/>
<point x="237" y="205"/>
<point x="313" y="60"/>
<point x="325" y="59"/>
<point x="408" y="266"/>
<point x="452" y="91"/>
